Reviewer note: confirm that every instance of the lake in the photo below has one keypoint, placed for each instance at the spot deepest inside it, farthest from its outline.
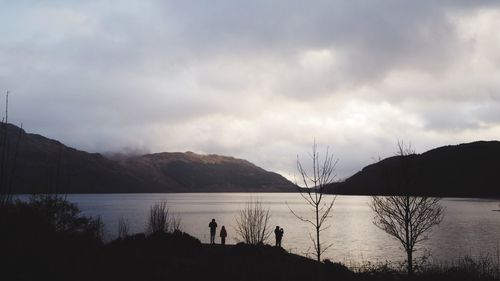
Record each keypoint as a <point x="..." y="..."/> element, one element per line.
<point x="469" y="227"/>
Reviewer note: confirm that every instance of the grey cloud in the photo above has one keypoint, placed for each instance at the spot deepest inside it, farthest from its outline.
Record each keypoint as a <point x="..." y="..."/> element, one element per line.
<point x="449" y="118"/>
<point x="217" y="76"/>
<point x="375" y="37"/>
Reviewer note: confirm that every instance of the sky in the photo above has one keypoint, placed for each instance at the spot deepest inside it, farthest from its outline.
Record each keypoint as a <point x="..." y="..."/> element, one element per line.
<point x="259" y="80"/>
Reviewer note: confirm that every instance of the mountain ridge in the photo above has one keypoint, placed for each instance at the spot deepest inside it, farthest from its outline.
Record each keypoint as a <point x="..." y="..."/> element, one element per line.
<point x="463" y="170"/>
<point x="47" y="165"/>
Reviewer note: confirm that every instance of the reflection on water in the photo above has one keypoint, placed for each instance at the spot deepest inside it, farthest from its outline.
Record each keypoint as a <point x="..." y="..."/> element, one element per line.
<point x="469" y="226"/>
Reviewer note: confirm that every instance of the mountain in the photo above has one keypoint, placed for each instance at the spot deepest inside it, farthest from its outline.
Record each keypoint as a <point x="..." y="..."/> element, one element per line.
<point x="189" y="172"/>
<point x="46" y="165"/>
<point x="465" y="170"/>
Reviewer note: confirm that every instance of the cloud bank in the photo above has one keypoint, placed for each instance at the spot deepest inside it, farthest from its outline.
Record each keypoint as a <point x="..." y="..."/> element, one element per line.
<point x="254" y="79"/>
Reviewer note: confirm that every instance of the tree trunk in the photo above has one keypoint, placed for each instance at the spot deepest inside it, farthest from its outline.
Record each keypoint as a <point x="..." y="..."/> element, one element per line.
<point x="409" y="253"/>
<point x="409" y="249"/>
<point x="318" y="245"/>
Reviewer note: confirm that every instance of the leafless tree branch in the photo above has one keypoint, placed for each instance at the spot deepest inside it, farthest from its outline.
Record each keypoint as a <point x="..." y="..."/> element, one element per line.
<point x="406" y="218"/>
<point x="314" y="183"/>
<point x="252" y="223"/>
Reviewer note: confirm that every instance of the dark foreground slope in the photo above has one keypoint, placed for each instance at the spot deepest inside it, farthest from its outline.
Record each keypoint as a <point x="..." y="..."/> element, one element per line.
<point x="178" y="256"/>
<point x="45" y="165"/>
<point x="47" y="239"/>
<point x="465" y="170"/>
<point x="38" y="245"/>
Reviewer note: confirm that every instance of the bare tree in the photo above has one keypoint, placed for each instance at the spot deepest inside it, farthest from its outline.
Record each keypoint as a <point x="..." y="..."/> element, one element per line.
<point x="96" y="228"/>
<point x="252" y="223"/>
<point x="123" y="228"/>
<point x="406" y="218"/>
<point x="176" y="222"/>
<point x="313" y="192"/>
<point x="161" y="220"/>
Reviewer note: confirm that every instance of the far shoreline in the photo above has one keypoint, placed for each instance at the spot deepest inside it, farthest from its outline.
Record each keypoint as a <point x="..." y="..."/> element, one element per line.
<point x="259" y="192"/>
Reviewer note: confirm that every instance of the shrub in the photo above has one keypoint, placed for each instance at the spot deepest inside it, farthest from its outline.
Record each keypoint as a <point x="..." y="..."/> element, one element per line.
<point x="252" y="224"/>
<point x="161" y="220"/>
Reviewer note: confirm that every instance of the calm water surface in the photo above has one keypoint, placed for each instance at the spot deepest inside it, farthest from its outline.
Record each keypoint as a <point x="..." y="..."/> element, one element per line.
<point x="469" y="226"/>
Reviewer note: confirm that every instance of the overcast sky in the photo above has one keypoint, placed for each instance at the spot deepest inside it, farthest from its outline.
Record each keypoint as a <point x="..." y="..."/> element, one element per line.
<point x="254" y="79"/>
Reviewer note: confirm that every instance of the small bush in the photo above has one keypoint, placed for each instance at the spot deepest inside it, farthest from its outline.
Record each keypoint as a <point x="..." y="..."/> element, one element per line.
<point x="161" y="220"/>
<point x="123" y="228"/>
<point x="52" y="214"/>
<point x="252" y="224"/>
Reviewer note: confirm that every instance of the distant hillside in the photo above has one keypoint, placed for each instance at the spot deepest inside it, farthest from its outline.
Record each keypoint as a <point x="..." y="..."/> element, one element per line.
<point x="46" y="165"/>
<point x="189" y="172"/>
<point x="465" y="170"/>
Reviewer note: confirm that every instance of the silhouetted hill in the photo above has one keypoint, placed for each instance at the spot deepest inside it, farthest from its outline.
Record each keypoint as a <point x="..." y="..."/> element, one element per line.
<point x="46" y="165"/>
<point x="465" y="170"/>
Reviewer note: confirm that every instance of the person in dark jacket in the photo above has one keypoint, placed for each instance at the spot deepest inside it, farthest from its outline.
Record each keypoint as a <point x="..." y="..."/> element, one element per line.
<point x="223" y="235"/>
<point x="213" y="229"/>
<point x="278" y="234"/>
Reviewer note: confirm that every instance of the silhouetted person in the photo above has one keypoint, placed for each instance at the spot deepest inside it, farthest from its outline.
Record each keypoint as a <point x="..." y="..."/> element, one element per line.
<point x="213" y="228"/>
<point x="278" y="234"/>
<point x="223" y="235"/>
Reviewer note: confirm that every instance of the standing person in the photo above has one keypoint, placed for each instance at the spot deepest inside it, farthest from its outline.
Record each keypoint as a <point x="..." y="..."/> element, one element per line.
<point x="277" y="235"/>
<point x="281" y="235"/>
<point x="223" y="235"/>
<point x="213" y="228"/>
